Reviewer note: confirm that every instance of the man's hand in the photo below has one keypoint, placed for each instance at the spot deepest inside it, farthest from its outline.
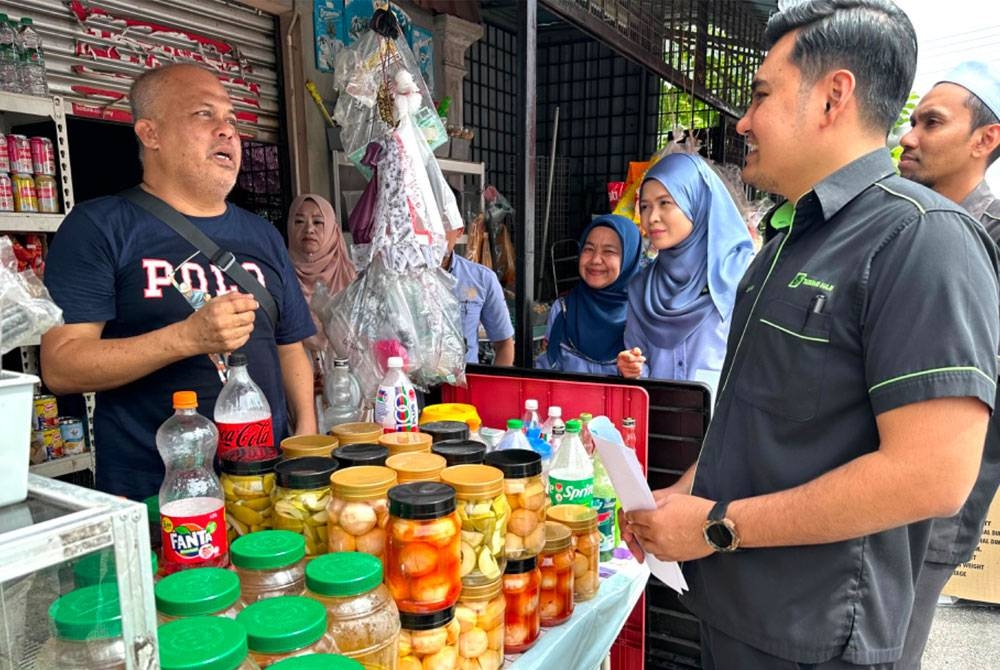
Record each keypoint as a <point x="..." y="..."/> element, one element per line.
<point x="224" y="324"/>
<point x="673" y="531"/>
<point x="630" y="363"/>
<point x="682" y="485"/>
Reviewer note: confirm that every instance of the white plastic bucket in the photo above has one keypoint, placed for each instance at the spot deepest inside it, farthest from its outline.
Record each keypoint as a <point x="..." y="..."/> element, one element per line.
<point x="16" y="393"/>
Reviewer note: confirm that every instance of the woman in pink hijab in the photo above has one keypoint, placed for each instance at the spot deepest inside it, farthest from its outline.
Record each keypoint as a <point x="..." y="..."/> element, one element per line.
<point x="318" y="251"/>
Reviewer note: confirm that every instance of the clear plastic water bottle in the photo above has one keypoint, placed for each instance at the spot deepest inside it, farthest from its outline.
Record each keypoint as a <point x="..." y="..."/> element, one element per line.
<point x="396" y="400"/>
<point x="558" y="433"/>
<point x="514" y="437"/>
<point x="585" y="436"/>
<point x="540" y="447"/>
<point x="192" y="516"/>
<point x="571" y="477"/>
<point x="531" y="419"/>
<point x="34" y="80"/>
<point x="10" y="79"/>
<point x="343" y="396"/>
<point x="554" y="419"/>
<point x="243" y="416"/>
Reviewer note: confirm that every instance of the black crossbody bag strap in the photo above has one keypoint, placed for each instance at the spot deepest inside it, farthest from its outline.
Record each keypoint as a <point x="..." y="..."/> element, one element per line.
<point x="220" y="258"/>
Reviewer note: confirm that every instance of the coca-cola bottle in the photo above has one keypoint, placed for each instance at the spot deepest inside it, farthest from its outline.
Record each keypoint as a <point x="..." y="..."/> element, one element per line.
<point x="192" y="516"/>
<point x="243" y="416"/>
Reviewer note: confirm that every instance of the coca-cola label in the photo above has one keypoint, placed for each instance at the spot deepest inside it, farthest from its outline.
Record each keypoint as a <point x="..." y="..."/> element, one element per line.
<point x="254" y="440"/>
<point x="192" y="540"/>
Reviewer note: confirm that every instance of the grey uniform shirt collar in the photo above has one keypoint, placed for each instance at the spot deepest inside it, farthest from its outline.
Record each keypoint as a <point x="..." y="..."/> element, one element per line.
<point x="977" y="202"/>
<point x="842" y="186"/>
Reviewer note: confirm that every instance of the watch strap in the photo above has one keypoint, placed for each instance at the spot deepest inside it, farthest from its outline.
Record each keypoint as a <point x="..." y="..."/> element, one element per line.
<point x="718" y="511"/>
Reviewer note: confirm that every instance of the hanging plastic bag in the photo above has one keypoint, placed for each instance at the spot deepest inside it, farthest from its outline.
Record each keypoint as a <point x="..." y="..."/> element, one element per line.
<point x="361" y="220"/>
<point x="26" y="308"/>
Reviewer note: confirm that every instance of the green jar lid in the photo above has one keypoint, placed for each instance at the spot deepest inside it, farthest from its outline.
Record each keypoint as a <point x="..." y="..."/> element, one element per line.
<point x="318" y="662"/>
<point x="283" y="624"/>
<point x="343" y="573"/>
<point x="99" y="567"/>
<point x="90" y="613"/>
<point x="197" y="592"/>
<point x="202" y="643"/>
<point x="267" y="549"/>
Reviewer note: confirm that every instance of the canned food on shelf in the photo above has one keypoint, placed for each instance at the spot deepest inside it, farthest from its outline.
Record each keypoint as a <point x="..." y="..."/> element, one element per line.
<point x="19" y="153"/>
<point x="49" y="441"/>
<point x="25" y="196"/>
<point x="6" y="192"/>
<point x="47" y="193"/>
<point x="46" y="412"/>
<point x="71" y="430"/>
<point x="4" y="156"/>
<point x="43" y="156"/>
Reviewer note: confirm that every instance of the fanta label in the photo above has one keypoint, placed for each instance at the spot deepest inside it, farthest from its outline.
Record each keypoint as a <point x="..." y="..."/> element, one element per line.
<point x="192" y="540"/>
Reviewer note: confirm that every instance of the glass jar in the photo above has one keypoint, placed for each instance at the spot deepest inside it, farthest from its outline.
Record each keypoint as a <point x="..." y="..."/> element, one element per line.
<point x="525" y="491"/>
<point x="87" y="631"/>
<point x="285" y="627"/>
<point x="357" y="432"/>
<point x="480" y="611"/>
<point x="417" y="467"/>
<point x="445" y="430"/>
<point x="363" y="453"/>
<point x="556" y="567"/>
<point x="586" y="542"/>
<point x="361" y="616"/>
<point x="99" y="568"/>
<point x="247" y="487"/>
<point x="428" y="640"/>
<point x="358" y="512"/>
<point x="301" y="498"/>
<point x="484" y="512"/>
<point x="318" y="662"/>
<point x="301" y="446"/>
<point x="269" y="564"/>
<point x="198" y="592"/>
<point x="405" y="442"/>
<point x="460" y="452"/>
<point x="422" y="550"/>
<point x="521" y="586"/>
<point x="204" y="643"/>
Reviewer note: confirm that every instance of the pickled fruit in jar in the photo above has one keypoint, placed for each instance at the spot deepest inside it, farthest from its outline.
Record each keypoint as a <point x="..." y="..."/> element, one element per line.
<point x="555" y="564"/>
<point x="586" y="541"/>
<point x="301" y="498"/>
<point x="480" y="616"/>
<point x="248" y="487"/>
<point x="521" y="589"/>
<point x="484" y="514"/>
<point x="429" y="641"/>
<point x="358" y="512"/>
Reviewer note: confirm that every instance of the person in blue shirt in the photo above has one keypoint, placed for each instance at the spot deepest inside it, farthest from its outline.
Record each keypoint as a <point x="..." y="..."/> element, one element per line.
<point x="586" y="328"/>
<point x="479" y="293"/>
<point x="679" y="308"/>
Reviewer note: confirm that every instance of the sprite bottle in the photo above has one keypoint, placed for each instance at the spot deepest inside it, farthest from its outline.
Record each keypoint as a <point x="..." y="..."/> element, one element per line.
<point x="571" y="476"/>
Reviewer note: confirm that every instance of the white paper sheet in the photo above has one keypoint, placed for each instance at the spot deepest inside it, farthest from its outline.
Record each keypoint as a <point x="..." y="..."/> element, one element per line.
<point x="633" y="492"/>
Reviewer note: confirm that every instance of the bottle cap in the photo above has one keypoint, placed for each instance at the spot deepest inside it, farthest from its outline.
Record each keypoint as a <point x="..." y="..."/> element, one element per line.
<point x="573" y="426"/>
<point x="267" y="549"/>
<point x="555" y="410"/>
<point x="514" y="424"/>
<point x="185" y="400"/>
<point x="516" y="566"/>
<point x="90" y="613"/>
<point x="531" y="404"/>
<point x="283" y="624"/>
<point x="341" y="363"/>
<point x="460" y="452"/>
<point x="196" y="592"/>
<point x="237" y="358"/>
<point x="237" y="466"/>
<point x="585" y="417"/>
<point x="318" y="662"/>
<point x="201" y="642"/>
<point x="557" y="537"/>
<point x="516" y="463"/>
<point x="363" y="453"/>
<point x="343" y="573"/>
<point x="362" y="483"/>
<point x="309" y="472"/>
<point x="427" y="621"/>
<point x="395" y="362"/>
<point x="446" y="430"/>
<point x="628" y="422"/>
<point x="422" y="500"/>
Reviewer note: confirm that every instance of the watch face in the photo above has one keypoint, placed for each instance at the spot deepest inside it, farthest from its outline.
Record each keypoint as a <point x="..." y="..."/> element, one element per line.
<point x="719" y="535"/>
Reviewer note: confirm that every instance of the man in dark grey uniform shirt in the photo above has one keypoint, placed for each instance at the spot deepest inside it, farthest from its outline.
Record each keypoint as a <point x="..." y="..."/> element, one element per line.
<point x="860" y="372"/>
<point x="955" y="137"/>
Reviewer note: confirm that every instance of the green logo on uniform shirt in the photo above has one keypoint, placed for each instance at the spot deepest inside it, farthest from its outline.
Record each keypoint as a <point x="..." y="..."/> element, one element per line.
<point x="802" y="279"/>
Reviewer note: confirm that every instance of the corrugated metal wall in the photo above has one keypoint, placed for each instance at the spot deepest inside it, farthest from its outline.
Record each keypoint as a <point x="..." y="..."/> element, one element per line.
<point x="94" y="50"/>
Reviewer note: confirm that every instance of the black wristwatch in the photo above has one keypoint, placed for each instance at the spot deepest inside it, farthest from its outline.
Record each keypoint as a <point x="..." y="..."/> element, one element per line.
<point x="720" y="532"/>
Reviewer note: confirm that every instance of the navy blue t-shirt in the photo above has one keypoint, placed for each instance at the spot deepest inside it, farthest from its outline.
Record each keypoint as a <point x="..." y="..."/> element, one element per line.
<point x="112" y="262"/>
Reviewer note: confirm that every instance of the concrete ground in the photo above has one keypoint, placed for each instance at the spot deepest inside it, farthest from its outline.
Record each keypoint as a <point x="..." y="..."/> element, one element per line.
<point x="964" y="636"/>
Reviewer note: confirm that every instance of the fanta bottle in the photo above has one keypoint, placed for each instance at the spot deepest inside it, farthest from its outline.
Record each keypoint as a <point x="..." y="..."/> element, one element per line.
<point x="396" y="400"/>
<point x="192" y="516"/>
<point x="571" y="476"/>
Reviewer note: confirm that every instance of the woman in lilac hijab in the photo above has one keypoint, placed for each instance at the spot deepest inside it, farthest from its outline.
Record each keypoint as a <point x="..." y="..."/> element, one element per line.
<point x="679" y="309"/>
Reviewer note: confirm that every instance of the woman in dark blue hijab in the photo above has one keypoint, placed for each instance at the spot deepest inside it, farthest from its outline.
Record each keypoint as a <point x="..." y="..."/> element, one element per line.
<point x="586" y="328"/>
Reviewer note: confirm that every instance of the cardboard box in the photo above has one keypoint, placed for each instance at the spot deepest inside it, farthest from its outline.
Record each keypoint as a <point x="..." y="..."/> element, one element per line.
<point x="979" y="579"/>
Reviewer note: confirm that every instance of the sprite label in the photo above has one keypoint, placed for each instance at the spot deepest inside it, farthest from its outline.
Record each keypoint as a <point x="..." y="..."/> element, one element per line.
<point x="571" y="491"/>
<point x="605" y="508"/>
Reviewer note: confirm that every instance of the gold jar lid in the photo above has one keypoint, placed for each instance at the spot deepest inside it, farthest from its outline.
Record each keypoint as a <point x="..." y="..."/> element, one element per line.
<point x="474" y="481"/>
<point x="417" y="466"/>
<point x="578" y="518"/>
<point x="406" y="442"/>
<point x="298" y="446"/>
<point x="357" y="432"/>
<point x="557" y="537"/>
<point x="483" y="591"/>
<point x="362" y="482"/>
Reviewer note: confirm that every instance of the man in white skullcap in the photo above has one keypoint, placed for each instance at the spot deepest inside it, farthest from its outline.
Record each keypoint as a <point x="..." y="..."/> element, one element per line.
<point x="954" y="139"/>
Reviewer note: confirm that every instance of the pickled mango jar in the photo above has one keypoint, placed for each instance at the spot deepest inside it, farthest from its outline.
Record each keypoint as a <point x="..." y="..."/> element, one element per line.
<point x="429" y="641"/>
<point x="445" y="430"/>
<point x="285" y="627"/>
<point x="301" y="497"/>
<point x="86" y="626"/>
<point x="480" y="616"/>
<point x="198" y="592"/>
<point x="405" y="443"/>
<point x="361" y="616"/>
<point x="525" y="491"/>
<point x="586" y="541"/>
<point x="521" y="589"/>
<point x="417" y="467"/>
<point x="556" y="567"/>
<point x="357" y="432"/>
<point x="422" y="549"/>
<point x="460" y="452"/>
<point x="363" y="453"/>
<point x="204" y="643"/>
<point x="359" y="509"/>
<point x="484" y="513"/>
<point x="248" y="487"/>
<point x="269" y="564"/>
<point x="318" y="662"/>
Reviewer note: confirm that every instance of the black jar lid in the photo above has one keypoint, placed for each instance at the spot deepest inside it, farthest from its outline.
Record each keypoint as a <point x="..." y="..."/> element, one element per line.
<point x="239" y="466"/>
<point x="516" y="463"/>
<point x="428" y="620"/>
<point x="460" y="452"/>
<point x="362" y="453"/>
<point x="308" y="472"/>
<point x="421" y="500"/>
<point x="516" y="566"/>
<point x="446" y="430"/>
